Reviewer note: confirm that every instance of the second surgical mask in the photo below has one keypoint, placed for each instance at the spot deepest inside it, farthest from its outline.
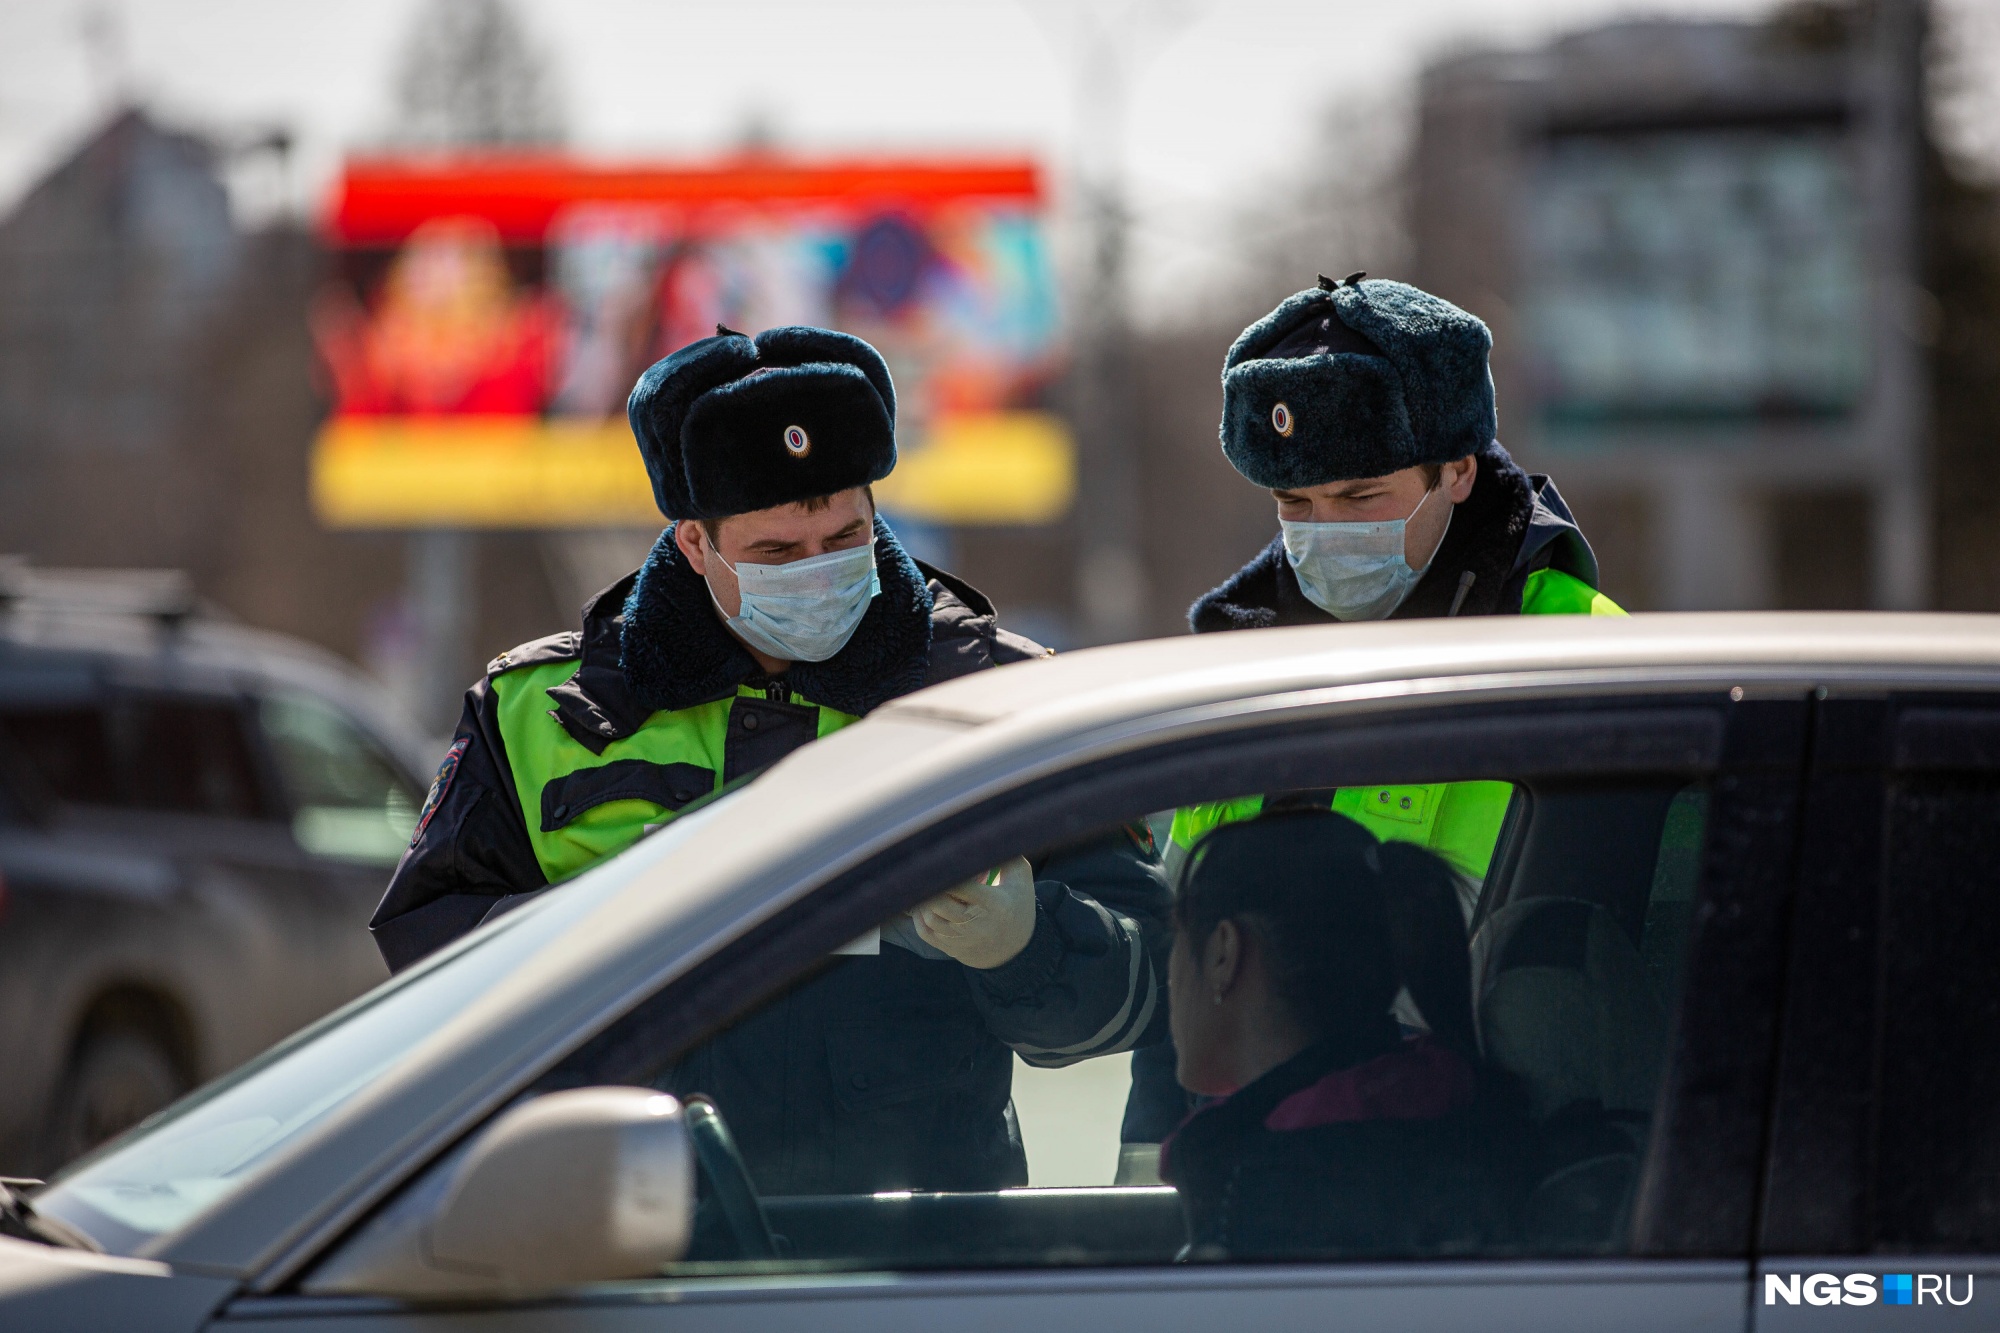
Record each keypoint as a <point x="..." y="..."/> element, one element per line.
<point x="1354" y="571"/>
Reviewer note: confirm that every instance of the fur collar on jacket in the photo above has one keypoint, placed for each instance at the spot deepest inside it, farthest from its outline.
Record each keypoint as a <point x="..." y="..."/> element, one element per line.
<point x="677" y="653"/>
<point x="1510" y="525"/>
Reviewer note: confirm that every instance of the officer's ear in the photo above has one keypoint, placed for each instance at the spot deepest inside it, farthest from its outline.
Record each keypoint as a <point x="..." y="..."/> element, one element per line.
<point x="688" y="537"/>
<point x="1457" y="477"/>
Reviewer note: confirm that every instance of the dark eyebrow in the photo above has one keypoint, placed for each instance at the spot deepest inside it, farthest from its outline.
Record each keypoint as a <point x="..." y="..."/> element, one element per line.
<point x="1355" y="490"/>
<point x="774" y="545"/>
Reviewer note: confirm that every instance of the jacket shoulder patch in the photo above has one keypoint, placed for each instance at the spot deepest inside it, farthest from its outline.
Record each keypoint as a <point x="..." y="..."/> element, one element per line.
<point x="440" y="786"/>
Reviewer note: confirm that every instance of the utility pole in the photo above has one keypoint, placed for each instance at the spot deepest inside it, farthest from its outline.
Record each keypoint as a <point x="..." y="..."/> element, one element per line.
<point x="1111" y="585"/>
<point x="1113" y="592"/>
<point x="468" y="78"/>
<point x="1901" y="528"/>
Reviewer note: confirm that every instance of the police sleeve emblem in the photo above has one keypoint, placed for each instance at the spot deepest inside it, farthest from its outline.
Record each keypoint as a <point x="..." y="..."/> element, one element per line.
<point x="440" y="786"/>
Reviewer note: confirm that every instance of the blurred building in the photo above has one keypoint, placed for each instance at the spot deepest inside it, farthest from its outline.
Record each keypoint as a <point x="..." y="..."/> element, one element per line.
<point x="158" y="403"/>
<point x="111" y="272"/>
<point x="1701" y="246"/>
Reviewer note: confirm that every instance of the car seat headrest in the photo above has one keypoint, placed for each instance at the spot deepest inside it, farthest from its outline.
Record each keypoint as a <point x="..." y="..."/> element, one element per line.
<point x="1563" y="1000"/>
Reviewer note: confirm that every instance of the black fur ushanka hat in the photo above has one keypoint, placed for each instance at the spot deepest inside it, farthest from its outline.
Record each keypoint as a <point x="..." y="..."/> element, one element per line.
<point x="1356" y="379"/>
<point x="733" y="423"/>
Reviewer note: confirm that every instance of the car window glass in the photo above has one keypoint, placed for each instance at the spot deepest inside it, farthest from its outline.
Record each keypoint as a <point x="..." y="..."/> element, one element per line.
<point x="188" y="755"/>
<point x="347" y="798"/>
<point x="1670" y="904"/>
<point x="1937" y="1172"/>
<point x="152" y="1180"/>
<point x="65" y="749"/>
<point x="899" y="1108"/>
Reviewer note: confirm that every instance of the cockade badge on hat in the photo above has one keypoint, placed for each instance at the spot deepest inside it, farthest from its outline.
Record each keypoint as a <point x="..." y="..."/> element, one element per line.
<point x="797" y="443"/>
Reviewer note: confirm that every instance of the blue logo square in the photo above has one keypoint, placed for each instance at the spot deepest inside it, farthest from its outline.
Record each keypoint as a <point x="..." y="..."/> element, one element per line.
<point x="1897" y="1289"/>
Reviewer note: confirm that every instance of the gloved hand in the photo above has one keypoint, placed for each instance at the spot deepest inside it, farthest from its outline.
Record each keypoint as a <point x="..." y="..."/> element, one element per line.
<point x="985" y="921"/>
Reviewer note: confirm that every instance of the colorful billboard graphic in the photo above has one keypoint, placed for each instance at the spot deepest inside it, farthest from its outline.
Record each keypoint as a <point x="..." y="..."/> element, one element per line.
<point x="490" y="316"/>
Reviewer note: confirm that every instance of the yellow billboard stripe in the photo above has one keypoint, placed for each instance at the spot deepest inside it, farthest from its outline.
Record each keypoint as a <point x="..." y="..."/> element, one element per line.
<point x="479" y="472"/>
<point x="998" y="467"/>
<point x="525" y="472"/>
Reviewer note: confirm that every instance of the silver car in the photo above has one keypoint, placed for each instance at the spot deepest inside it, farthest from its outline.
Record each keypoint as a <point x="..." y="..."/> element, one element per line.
<point x="1732" y="940"/>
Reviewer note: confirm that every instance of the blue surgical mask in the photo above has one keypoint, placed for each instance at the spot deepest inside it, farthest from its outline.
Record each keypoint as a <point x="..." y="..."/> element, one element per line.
<point x="805" y="611"/>
<point x="1354" y="571"/>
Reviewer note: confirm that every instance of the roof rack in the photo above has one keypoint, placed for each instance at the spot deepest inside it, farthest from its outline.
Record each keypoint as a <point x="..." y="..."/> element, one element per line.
<point x="166" y="595"/>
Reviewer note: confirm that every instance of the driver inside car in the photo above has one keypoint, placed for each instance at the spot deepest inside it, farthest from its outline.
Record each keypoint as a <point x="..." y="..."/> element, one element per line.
<point x="1333" y="1131"/>
<point x="775" y="609"/>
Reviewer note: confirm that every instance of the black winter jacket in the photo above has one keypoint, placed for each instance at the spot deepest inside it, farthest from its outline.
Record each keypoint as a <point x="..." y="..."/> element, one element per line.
<point x="1368" y="1146"/>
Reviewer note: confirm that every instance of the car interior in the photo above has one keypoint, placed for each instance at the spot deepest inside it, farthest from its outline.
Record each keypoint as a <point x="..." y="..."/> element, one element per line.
<point x="1574" y="943"/>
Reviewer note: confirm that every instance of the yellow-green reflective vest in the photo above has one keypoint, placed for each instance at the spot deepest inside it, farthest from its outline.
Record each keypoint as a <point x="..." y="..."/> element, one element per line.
<point x="576" y="809"/>
<point x="1460" y="821"/>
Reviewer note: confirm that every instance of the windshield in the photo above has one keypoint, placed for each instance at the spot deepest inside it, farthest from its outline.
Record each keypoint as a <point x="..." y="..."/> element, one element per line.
<point x="156" y="1178"/>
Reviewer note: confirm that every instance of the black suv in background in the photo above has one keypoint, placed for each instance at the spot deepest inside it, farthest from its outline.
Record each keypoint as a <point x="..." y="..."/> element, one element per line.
<point x="196" y="820"/>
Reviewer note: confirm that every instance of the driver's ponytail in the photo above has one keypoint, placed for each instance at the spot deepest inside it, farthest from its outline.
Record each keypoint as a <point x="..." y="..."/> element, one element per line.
<point x="1420" y="897"/>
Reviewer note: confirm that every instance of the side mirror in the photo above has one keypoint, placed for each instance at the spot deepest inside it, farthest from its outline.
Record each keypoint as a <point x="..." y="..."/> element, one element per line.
<point x="588" y="1185"/>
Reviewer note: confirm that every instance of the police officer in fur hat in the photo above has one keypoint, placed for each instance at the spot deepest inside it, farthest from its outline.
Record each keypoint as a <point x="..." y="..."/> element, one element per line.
<point x="775" y="609"/>
<point x="1366" y="408"/>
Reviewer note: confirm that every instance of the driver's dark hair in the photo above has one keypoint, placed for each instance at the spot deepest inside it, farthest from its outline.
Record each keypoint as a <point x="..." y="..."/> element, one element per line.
<point x="1345" y="921"/>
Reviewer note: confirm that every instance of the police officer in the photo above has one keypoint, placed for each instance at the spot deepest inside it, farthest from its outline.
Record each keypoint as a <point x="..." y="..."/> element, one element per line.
<point x="776" y="609"/>
<point x="1366" y="408"/>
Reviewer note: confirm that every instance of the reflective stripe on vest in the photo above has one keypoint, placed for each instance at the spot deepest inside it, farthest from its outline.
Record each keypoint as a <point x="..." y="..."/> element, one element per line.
<point x="581" y="807"/>
<point x="1460" y="821"/>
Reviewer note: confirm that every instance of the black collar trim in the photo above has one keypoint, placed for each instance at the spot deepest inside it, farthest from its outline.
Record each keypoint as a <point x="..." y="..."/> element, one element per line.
<point x="676" y="651"/>
<point x="1242" y="1112"/>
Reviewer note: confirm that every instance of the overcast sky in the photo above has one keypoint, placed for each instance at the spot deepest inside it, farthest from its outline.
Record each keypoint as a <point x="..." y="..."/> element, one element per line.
<point x="1222" y="93"/>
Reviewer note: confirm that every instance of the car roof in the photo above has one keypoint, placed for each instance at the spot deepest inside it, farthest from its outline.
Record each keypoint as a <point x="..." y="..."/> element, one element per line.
<point x="198" y="652"/>
<point x="661" y="907"/>
<point x="1137" y="678"/>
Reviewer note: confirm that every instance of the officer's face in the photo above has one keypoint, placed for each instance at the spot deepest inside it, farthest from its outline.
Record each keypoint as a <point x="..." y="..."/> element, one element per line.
<point x="1384" y="500"/>
<point x="775" y="536"/>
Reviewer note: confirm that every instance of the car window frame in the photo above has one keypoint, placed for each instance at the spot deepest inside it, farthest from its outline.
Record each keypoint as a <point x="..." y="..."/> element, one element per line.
<point x="1565" y="730"/>
<point x="272" y="691"/>
<point x="40" y="679"/>
<point x="124" y="701"/>
<point x="271" y="769"/>
<point x="1043" y="811"/>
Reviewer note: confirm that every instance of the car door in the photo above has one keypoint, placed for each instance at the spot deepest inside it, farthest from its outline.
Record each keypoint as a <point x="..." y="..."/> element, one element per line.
<point x="1884" y="1186"/>
<point x="1640" y="879"/>
<point x="193" y="784"/>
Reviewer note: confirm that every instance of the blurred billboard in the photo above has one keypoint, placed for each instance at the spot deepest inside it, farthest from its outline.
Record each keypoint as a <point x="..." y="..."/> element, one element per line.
<point x="1699" y="245"/>
<point x="490" y="315"/>
<point x="1698" y="274"/>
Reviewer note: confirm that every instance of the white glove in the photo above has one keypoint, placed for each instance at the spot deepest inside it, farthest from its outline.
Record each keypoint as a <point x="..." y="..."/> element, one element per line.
<point x="985" y="921"/>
